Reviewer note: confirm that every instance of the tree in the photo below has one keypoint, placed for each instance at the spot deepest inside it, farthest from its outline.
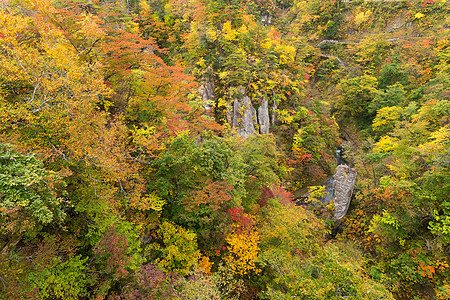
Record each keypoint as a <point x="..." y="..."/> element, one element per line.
<point x="355" y="96"/>
<point x="387" y="118"/>
<point x="393" y="74"/>
<point x="31" y="196"/>
<point x="297" y="262"/>
<point x="313" y="146"/>
<point x="394" y="95"/>
<point x="179" y="253"/>
<point x="242" y="252"/>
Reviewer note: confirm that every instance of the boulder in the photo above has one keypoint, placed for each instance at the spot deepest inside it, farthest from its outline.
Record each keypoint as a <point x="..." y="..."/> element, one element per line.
<point x="344" y="182"/>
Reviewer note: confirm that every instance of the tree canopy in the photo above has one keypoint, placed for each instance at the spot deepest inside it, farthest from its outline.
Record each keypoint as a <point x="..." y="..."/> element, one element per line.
<point x="157" y="149"/>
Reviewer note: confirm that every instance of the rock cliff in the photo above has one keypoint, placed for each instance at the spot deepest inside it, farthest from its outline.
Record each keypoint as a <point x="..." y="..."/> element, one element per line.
<point x="344" y="182"/>
<point x="247" y="120"/>
<point x="244" y="116"/>
<point x="241" y="113"/>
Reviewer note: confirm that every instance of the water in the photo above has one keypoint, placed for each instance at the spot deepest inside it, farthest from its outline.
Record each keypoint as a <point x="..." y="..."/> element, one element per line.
<point x="339" y="158"/>
<point x="329" y="190"/>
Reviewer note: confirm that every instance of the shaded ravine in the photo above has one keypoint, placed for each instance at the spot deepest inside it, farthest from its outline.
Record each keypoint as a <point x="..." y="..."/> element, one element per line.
<point x="329" y="184"/>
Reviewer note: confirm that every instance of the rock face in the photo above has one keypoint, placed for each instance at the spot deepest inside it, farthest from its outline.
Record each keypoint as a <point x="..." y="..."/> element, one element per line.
<point x="241" y="113"/>
<point x="275" y="113"/>
<point x="243" y="116"/>
<point x="263" y="116"/>
<point x="206" y="91"/>
<point x="344" y="182"/>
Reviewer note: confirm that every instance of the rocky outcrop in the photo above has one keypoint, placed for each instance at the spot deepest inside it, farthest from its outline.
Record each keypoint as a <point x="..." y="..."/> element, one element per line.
<point x="263" y="116"/>
<point x="244" y="114"/>
<point x="206" y="91"/>
<point x="241" y="113"/>
<point x="275" y="113"/>
<point x="344" y="182"/>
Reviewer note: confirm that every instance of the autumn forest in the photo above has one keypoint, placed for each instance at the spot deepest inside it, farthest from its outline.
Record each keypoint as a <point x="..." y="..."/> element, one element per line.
<point x="202" y="149"/>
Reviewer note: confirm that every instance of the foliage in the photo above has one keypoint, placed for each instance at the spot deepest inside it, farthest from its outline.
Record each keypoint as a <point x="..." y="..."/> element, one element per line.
<point x="62" y="279"/>
<point x="301" y="231"/>
<point x="47" y="267"/>
<point x="199" y="286"/>
<point x="179" y="253"/>
<point x="31" y="196"/>
<point x="394" y="95"/>
<point x="151" y="283"/>
<point x="299" y="264"/>
<point x="117" y="181"/>
<point x="111" y="251"/>
<point x="353" y="102"/>
<point x="312" y="147"/>
<point x="243" y="251"/>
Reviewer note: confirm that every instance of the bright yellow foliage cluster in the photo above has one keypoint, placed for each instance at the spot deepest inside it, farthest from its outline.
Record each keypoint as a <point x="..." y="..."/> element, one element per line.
<point x="285" y="116"/>
<point x="387" y="117"/>
<point x="244" y="250"/>
<point x="362" y="17"/>
<point x="385" y="144"/>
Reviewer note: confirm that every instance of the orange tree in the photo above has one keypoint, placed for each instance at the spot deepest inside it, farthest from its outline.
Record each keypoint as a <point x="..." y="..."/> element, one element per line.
<point x="87" y="94"/>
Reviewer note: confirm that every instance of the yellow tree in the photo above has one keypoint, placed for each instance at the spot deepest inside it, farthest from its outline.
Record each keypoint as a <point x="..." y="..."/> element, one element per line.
<point x="243" y="252"/>
<point x="51" y="101"/>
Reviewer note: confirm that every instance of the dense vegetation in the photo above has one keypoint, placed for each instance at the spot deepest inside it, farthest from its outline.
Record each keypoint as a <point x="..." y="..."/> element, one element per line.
<point x="120" y="180"/>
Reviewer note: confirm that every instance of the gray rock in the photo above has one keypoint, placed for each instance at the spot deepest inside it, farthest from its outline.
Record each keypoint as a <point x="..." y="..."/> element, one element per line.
<point x="344" y="182"/>
<point x="263" y="116"/>
<point x="244" y="115"/>
<point x="254" y="114"/>
<point x="236" y="115"/>
<point x="275" y="113"/>
<point x="206" y="91"/>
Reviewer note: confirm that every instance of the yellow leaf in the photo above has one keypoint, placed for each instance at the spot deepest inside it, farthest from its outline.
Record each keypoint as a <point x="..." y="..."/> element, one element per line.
<point x="419" y="15"/>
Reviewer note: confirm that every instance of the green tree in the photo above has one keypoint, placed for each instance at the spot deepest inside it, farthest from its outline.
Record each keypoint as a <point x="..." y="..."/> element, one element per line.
<point x="394" y="95"/>
<point x="355" y="95"/>
<point x="31" y="196"/>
